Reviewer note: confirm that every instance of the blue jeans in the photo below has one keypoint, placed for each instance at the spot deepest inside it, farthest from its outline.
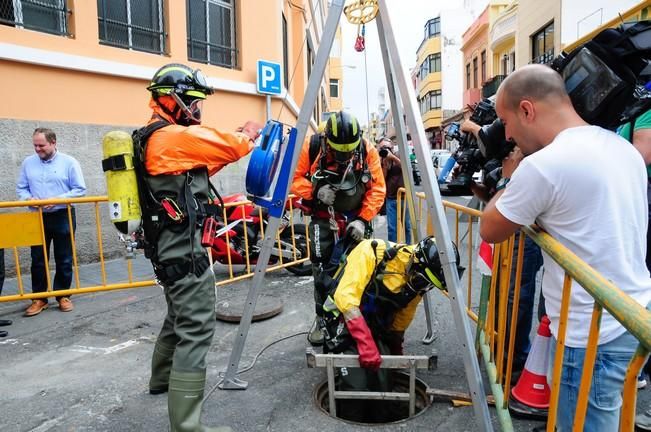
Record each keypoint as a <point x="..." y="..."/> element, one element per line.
<point x="605" y="398"/>
<point x="392" y="221"/>
<point x="531" y="262"/>
<point x="57" y="231"/>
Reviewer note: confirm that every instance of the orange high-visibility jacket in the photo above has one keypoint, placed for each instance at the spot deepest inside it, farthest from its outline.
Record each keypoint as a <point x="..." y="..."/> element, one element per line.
<point x="375" y="188"/>
<point x="176" y="149"/>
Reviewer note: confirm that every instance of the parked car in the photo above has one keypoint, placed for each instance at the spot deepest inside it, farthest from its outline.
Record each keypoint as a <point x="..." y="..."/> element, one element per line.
<point x="439" y="159"/>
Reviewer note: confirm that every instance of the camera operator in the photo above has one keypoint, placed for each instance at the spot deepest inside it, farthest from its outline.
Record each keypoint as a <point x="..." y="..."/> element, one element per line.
<point x="561" y="186"/>
<point x="392" y="171"/>
<point x="496" y="176"/>
<point x="480" y="190"/>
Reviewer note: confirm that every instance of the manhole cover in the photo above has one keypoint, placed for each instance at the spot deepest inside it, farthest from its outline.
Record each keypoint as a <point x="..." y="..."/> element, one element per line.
<point x="232" y="309"/>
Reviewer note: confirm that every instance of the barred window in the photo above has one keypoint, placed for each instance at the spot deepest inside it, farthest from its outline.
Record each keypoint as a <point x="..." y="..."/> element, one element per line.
<point x="48" y="16"/>
<point x="132" y="24"/>
<point x="211" y="32"/>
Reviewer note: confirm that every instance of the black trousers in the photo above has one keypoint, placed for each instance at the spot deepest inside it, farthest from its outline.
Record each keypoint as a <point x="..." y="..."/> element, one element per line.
<point x="322" y="243"/>
<point x="360" y="379"/>
<point x="2" y="269"/>
<point x="57" y="231"/>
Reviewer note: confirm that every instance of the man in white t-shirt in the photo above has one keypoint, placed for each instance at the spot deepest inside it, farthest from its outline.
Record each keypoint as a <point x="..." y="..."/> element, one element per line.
<point x="586" y="187"/>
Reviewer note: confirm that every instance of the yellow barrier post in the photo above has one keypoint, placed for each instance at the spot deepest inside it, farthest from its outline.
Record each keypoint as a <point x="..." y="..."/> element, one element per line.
<point x="558" y="355"/>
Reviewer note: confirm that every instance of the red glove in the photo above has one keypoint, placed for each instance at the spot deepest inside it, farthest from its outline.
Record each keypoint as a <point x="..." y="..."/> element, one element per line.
<point x="369" y="356"/>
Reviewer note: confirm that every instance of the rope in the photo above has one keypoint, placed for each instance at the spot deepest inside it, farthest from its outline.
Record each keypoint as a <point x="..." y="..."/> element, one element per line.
<point x="291" y="78"/>
<point x="255" y="359"/>
<point x="368" y="111"/>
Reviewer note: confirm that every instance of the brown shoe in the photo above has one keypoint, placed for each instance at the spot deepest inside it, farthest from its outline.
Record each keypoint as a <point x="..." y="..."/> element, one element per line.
<point x="65" y="305"/>
<point x="36" y="307"/>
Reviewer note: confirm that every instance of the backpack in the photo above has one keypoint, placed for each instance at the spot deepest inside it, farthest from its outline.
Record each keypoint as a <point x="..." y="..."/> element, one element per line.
<point x="603" y="77"/>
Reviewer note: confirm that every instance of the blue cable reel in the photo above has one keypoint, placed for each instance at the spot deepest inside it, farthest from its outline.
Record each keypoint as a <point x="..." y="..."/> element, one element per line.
<point x="269" y="172"/>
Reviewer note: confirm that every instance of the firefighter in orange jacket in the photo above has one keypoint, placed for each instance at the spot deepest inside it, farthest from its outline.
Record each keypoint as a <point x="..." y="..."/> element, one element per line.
<point x="174" y="158"/>
<point x="344" y="185"/>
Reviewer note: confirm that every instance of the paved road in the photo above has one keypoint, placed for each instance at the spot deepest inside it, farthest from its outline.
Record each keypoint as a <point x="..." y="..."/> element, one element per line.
<point x="87" y="370"/>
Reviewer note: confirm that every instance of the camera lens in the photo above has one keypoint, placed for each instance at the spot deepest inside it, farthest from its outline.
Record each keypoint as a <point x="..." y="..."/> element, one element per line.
<point x="383" y="152"/>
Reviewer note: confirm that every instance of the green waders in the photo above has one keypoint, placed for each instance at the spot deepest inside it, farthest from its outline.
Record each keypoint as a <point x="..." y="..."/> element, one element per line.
<point x="179" y="358"/>
<point x="322" y="242"/>
<point x="360" y="379"/>
<point x="189" y="327"/>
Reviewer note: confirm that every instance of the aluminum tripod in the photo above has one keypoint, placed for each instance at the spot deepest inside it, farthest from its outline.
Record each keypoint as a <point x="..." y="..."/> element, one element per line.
<point x="403" y="100"/>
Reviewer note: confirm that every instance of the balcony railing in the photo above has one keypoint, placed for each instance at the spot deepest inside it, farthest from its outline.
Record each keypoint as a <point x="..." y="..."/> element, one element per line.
<point x="490" y="87"/>
<point x="545" y="58"/>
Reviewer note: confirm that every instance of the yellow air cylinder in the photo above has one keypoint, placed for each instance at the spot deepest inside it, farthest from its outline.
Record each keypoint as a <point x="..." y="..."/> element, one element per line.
<point x="121" y="183"/>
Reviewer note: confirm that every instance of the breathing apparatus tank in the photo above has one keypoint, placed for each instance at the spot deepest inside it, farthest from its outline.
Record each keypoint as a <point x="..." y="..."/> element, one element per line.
<point x="121" y="182"/>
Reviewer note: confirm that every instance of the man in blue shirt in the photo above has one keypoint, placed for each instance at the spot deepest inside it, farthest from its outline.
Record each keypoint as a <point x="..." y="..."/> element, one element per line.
<point x="51" y="174"/>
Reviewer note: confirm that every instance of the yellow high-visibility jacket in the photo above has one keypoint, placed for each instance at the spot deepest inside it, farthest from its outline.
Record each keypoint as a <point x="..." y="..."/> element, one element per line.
<point x="357" y="276"/>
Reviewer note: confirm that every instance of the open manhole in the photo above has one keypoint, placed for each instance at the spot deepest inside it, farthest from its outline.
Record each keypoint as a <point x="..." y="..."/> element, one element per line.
<point x="370" y="412"/>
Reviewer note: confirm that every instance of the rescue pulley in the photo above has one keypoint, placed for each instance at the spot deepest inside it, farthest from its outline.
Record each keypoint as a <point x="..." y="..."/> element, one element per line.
<point x="360" y="12"/>
<point x="268" y="175"/>
<point x="264" y="159"/>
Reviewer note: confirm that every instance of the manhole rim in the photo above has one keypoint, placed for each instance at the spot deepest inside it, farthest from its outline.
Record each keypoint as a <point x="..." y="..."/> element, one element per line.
<point x="420" y="385"/>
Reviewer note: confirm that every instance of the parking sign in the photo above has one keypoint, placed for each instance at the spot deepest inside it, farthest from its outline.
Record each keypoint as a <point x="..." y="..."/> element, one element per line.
<point x="269" y="78"/>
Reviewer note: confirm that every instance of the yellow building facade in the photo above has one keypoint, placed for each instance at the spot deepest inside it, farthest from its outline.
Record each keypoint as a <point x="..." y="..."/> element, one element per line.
<point x="428" y="76"/>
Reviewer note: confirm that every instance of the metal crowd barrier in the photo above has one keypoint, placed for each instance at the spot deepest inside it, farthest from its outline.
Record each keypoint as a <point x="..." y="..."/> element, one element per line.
<point x="492" y="338"/>
<point x="472" y="217"/>
<point x="23" y="229"/>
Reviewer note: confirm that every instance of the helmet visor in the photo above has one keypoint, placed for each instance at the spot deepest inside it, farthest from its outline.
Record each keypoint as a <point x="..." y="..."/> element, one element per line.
<point x="195" y="110"/>
<point x="201" y="81"/>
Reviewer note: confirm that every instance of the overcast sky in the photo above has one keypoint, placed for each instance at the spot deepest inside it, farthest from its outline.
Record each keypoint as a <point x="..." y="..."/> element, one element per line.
<point x="408" y="25"/>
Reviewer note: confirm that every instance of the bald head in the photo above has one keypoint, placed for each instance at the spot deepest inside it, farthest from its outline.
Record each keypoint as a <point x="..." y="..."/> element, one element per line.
<point x="535" y="83"/>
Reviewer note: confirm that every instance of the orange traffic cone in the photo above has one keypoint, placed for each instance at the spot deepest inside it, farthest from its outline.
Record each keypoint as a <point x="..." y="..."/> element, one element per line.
<point x="532" y="388"/>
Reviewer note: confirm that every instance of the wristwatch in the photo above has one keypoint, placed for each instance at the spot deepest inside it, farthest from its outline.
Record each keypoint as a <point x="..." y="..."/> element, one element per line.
<point x="501" y="183"/>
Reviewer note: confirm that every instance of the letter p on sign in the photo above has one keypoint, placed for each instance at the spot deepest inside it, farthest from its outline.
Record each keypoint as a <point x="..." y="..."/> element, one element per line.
<point x="269" y="78"/>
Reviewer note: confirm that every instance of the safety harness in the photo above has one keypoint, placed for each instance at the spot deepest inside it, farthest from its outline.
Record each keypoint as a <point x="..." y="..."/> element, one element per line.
<point x="318" y="148"/>
<point x="174" y="202"/>
<point x="378" y="304"/>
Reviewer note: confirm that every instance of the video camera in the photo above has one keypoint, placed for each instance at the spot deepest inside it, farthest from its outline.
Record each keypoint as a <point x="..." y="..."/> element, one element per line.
<point x="605" y="76"/>
<point x="474" y="154"/>
<point x="605" y="80"/>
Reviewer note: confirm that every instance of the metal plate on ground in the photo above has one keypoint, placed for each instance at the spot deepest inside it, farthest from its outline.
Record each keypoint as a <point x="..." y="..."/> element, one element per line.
<point x="231" y="309"/>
